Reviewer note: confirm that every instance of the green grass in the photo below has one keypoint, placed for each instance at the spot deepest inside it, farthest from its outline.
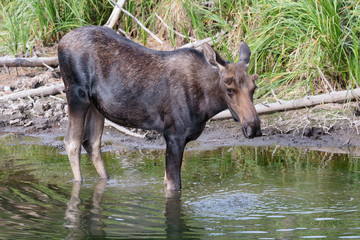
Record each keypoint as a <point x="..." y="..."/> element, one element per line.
<point x="290" y="40"/>
<point x="43" y="22"/>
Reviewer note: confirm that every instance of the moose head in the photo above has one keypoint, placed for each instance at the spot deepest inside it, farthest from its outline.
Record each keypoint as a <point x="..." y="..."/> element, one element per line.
<point x="238" y="88"/>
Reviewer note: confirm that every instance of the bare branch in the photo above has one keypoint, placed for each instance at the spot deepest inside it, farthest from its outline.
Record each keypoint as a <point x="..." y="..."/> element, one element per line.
<point x="205" y="40"/>
<point x="137" y="20"/>
<point x="115" y="14"/>
<point x="171" y="29"/>
<point x="333" y="97"/>
<point x="41" y="91"/>
<point x="324" y="79"/>
<point x="123" y="130"/>
<point x="29" y="62"/>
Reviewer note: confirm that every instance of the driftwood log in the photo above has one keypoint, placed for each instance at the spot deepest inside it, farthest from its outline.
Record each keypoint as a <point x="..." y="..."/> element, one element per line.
<point x="309" y="101"/>
<point x="41" y="91"/>
<point x="54" y="62"/>
<point x="29" y="62"/>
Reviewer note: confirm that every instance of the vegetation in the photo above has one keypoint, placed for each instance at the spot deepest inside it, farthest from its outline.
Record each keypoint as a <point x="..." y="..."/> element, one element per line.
<point x="292" y="42"/>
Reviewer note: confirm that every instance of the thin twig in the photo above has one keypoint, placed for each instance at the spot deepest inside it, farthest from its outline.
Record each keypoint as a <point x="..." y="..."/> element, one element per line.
<point x="123" y="130"/>
<point x="273" y="153"/>
<point x="273" y="93"/>
<point x="137" y="20"/>
<point x="57" y="98"/>
<point x="171" y="29"/>
<point x="357" y="85"/>
<point x="258" y="100"/>
<point x="48" y="67"/>
<point x="31" y="99"/>
<point x="345" y="143"/>
<point x="206" y="40"/>
<point x="123" y="32"/>
<point x="324" y="78"/>
<point x="356" y="97"/>
<point x="7" y="69"/>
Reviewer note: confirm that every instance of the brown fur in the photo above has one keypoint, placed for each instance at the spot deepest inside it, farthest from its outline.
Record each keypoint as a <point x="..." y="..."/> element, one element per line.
<point x="173" y="92"/>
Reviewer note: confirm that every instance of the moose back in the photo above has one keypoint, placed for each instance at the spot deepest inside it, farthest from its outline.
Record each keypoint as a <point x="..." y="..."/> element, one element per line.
<point x="172" y="92"/>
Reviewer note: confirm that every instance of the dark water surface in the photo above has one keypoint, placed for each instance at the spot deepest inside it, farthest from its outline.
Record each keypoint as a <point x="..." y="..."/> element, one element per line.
<point x="229" y="193"/>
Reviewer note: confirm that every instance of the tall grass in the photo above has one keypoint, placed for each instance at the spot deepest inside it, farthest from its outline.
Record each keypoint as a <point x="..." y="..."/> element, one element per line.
<point x="290" y="39"/>
<point x="43" y="22"/>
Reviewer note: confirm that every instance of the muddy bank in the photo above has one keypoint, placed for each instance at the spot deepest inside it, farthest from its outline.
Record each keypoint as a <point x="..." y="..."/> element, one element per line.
<point x="331" y="125"/>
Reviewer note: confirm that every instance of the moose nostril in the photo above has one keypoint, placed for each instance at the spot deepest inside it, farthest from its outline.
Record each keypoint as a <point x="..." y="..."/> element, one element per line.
<point x="258" y="133"/>
<point x="250" y="131"/>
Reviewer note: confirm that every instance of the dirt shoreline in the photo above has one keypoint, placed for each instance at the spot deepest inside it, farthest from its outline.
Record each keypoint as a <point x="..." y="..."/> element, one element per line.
<point x="341" y="138"/>
<point x="330" y="126"/>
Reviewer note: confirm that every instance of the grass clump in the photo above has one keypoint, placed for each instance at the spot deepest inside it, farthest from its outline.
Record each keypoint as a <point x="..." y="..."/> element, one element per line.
<point x="43" y="22"/>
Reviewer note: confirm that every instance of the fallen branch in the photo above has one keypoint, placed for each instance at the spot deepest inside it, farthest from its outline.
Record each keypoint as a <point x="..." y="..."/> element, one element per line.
<point x="41" y="91"/>
<point x="198" y="43"/>
<point x="123" y="130"/>
<point x="205" y="40"/>
<point x="136" y="20"/>
<point x="333" y="97"/>
<point x="29" y="62"/>
<point x="115" y="14"/>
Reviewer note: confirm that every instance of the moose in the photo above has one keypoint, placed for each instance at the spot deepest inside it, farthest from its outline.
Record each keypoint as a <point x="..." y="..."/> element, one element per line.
<point x="172" y="92"/>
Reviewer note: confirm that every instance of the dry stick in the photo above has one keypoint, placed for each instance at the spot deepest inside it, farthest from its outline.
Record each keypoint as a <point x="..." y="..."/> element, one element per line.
<point x="333" y="97"/>
<point x="258" y="100"/>
<point x="123" y="130"/>
<point x="48" y="67"/>
<point x="136" y="20"/>
<point x="171" y="29"/>
<point x="273" y="93"/>
<point x="324" y="78"/>
<point x="200" y="42"/>
<point x="115" y="14"/>
<point x="41" y="91"/>
<point x="29" y="62"/>
<point x="7" y="69"/>
<point x="123" y="32"/>
<point x="357" y="85"/>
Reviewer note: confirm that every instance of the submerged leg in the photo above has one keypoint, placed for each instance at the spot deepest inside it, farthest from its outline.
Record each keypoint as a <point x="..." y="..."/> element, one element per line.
<point x="174" y="153"/>
<point x="73" y="139"/>
<point x="94" y="125"/>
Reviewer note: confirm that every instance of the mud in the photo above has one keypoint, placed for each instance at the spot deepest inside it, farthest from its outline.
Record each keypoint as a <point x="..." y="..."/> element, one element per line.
<point x="331" y="126"/>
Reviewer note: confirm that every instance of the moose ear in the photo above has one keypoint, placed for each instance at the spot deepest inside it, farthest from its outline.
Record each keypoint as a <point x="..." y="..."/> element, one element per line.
<point x="254" y="77"/>
<point x="212" y="57"/>
<point x="244" y="53"/>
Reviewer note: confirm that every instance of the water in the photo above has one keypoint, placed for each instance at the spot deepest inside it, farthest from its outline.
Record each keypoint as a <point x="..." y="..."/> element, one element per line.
<point x="231" y="192"/>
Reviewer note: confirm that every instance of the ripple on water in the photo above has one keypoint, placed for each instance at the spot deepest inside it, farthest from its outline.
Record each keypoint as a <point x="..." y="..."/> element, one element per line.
<point x="229" y="205"/>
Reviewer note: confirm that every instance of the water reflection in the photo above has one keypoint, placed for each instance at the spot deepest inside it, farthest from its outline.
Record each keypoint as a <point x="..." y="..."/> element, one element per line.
<point x="93" y="218"/>
<point x="90" y="222"/>
<point x="230" y="192"/>
<point x="176" y="227"/>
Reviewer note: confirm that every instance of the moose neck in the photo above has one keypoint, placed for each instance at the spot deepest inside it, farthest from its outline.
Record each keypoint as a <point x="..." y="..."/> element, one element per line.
<point x="214" y="98"/>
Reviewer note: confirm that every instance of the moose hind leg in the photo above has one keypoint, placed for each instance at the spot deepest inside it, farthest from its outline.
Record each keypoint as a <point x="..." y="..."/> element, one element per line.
<point x="73" y="138"/>
<point x="94" y="125"/>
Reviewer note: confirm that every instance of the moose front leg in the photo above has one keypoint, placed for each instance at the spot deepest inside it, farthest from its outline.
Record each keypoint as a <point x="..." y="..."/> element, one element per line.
<point x="174" y="153"/>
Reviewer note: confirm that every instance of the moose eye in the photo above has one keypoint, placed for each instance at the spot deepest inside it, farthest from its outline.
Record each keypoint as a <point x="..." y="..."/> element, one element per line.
<point x="229" y="91"/>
